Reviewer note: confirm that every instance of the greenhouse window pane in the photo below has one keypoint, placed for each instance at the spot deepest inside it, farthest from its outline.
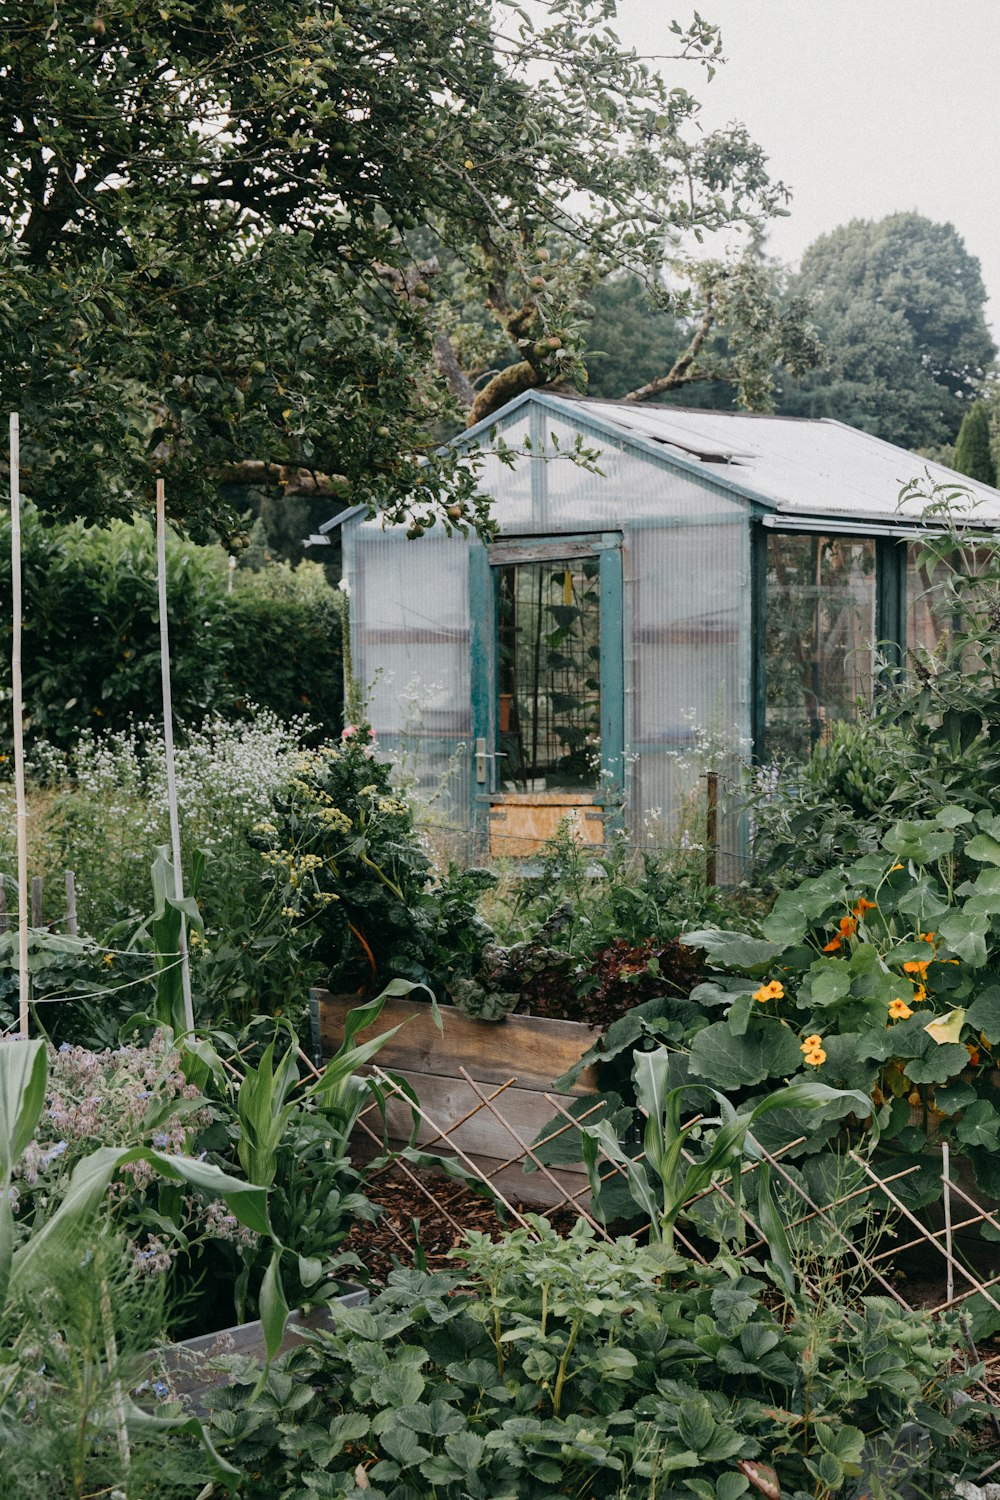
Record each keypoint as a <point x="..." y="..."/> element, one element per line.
<point x="949" y="591"/>
<point x="819" y="647"/>
<point x="549" y="708"/>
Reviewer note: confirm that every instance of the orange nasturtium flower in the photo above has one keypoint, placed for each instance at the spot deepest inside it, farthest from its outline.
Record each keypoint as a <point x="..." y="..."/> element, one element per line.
<point x="811" y="1043"/>
<point x="927" y="937"/>
<point x="973" y="1054"/>
<point x="815" y="1058"/>
<point x="773" y="991"/>
<point x="920" y="993"/>
<point x="917" y="966"/>
<point x="899" y="1010"/>
<point x="832" y="945"/>
<point x="848" y="926"/>
<point x="860" y="907"/>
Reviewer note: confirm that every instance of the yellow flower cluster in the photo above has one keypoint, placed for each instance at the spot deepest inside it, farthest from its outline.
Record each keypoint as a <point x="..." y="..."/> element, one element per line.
<point x="812" y="1051"/>
<point x="297" y="865"/>
<point x="335" y="819"/>
<point x="773" y="991"/>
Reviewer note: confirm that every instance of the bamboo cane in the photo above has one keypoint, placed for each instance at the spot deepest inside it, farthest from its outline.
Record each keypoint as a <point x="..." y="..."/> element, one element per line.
<point x="168" y="745"/>
<point x="18" y="715"/>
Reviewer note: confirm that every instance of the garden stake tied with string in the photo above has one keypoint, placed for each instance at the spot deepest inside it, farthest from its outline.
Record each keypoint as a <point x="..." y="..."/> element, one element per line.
<point x="168" y="747"/>
<point x="17" y="693"/>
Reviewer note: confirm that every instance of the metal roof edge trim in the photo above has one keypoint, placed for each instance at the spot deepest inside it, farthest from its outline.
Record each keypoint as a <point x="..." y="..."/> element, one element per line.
<point x="908" y="530"/>
<point x="344" y="515"/>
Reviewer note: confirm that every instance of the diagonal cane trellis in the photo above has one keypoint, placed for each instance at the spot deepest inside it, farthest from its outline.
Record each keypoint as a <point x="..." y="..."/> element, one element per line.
<point x="879" y="1189"/>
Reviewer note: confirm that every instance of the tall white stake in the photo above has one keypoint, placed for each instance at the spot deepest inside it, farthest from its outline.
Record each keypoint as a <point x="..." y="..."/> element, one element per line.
<point x="168" y="743"/>
<point x="18" y="714"/>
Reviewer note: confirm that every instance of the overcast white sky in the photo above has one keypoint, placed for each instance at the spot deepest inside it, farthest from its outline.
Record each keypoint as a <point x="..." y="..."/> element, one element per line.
<point x="864" y="107"/>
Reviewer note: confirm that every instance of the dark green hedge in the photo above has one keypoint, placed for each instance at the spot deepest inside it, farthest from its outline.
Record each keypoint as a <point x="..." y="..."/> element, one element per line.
<point x="91" y="633"/>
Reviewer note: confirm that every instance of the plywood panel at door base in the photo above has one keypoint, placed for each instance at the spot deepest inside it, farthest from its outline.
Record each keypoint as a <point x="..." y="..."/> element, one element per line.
<point x="521" y="822"/>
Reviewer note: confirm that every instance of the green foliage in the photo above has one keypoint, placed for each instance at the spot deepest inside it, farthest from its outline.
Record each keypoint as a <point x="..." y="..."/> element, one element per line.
<point x="71" y="1356"/>
<point x="282" y="632"/>
<point x="353" y="876"/>
<point x="196" y="1137"/>
<point x="900" y="304"/>
<point x="568" y="1366"/>
<point x="56" y="1214"/>
<point x="290" y="1135"/>
<point x="884" y="974"/>
<point x="667" y="1177"/>
<point x="106" y="823"/>
<point x="613" y="892"/>
<point x="92" y="648"/>
<point x="727" y="339"/>
<point x="270" y="311"/>
<point x="972" y="446"/>
<point x="591" y="934"/>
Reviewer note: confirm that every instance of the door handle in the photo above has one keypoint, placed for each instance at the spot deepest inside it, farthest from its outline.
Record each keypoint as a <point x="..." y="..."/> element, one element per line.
<point x="482" y="756"/>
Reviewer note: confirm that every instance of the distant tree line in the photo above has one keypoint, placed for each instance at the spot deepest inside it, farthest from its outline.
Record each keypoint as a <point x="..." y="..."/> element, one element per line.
<point x="898" y="307"/>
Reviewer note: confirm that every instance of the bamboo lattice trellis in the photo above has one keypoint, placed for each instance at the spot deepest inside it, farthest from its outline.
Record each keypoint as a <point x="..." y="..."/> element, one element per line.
<point x="961" y="1281"/>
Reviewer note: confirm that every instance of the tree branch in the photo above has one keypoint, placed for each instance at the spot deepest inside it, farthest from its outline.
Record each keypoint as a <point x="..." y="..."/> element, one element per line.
<point x="680" y="372"/>
<point x="455" y="378"/>
<point x="292" y="481"/>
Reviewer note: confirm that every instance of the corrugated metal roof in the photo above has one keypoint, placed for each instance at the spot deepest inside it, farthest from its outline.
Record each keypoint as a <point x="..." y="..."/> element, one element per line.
<point x="804" y="467"/>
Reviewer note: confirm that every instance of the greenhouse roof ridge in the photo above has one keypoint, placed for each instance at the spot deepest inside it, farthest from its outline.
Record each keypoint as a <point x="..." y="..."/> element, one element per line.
<point x="795" y="466"/>
<point x="803" y="472"/>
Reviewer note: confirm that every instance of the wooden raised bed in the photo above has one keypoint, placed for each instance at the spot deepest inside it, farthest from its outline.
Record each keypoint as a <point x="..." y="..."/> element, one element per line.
<point x="528" y="1049"/>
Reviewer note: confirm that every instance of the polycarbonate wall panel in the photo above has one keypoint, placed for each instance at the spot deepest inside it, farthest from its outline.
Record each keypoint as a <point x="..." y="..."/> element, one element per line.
<point x="627" y="486"/>
<point x="409" y="609"/>
<point x="688" y="675"/>
<point x="510" y="489"/>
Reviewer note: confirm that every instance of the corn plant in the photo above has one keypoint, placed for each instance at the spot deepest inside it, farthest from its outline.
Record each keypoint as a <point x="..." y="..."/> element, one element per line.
<point x="668" y="1179"/>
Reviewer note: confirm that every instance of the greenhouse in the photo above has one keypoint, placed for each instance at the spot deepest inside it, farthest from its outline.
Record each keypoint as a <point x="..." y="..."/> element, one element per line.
<point x="669" y="590"/>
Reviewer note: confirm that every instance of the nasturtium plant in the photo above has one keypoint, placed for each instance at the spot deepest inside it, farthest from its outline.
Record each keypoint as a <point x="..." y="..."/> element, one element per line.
<point x="881" y="976"/>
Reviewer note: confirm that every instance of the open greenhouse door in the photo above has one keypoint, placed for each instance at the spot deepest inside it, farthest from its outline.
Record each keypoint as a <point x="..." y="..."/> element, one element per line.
<point x="548" y="689"/>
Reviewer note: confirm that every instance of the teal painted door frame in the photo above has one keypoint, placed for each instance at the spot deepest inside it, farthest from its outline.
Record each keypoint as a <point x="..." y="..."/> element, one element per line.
<point x="484" y="565"/>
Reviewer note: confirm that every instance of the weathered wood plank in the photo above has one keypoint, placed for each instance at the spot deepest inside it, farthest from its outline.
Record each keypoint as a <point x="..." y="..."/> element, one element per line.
<point x="448" y="1100"/>
<point x="529" y="1048"/>
<point x="521" y="825"/>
